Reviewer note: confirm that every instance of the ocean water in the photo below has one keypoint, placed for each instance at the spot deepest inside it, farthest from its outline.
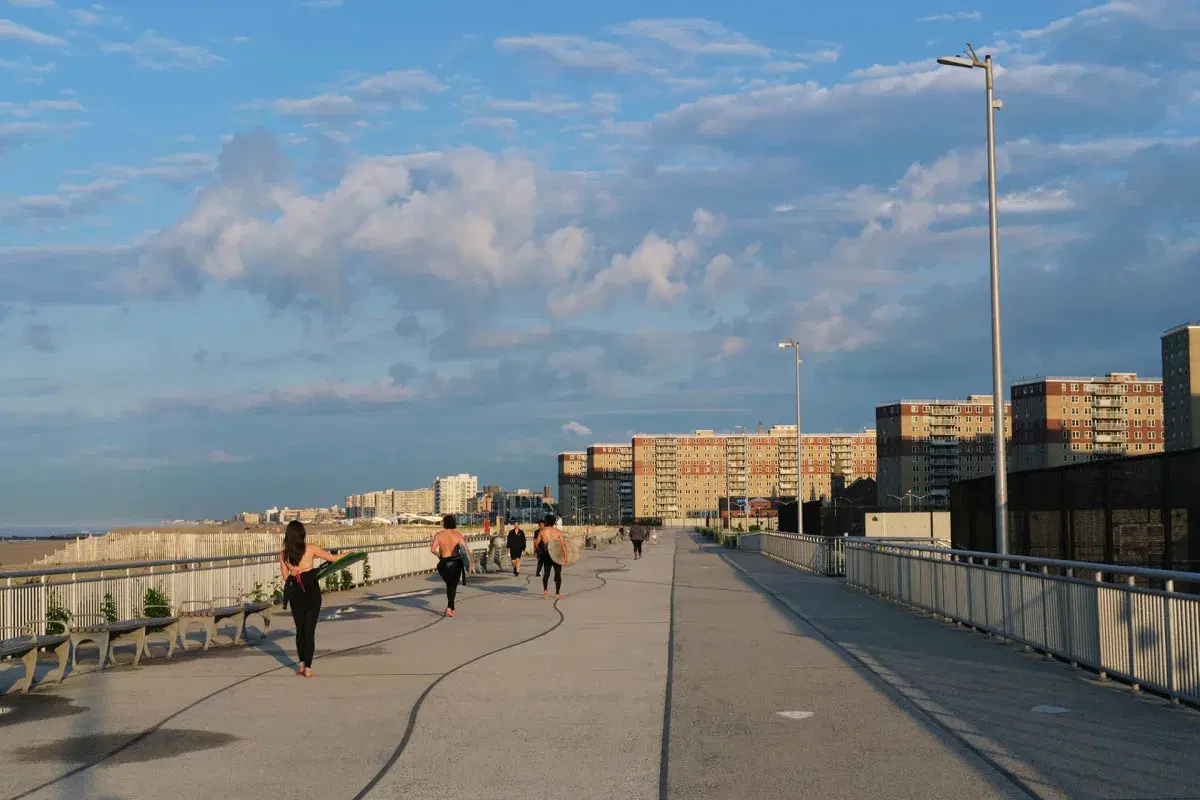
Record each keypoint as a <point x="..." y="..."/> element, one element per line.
<point x="40" y="531"/>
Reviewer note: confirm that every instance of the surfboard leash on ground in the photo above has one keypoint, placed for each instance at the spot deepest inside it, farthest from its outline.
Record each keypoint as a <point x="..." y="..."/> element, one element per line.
<point x="145" y="733"/>
<point x="415" y="711"/>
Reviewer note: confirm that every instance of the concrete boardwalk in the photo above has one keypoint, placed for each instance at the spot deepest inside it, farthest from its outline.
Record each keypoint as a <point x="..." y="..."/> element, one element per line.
<point x="409" y="704"/>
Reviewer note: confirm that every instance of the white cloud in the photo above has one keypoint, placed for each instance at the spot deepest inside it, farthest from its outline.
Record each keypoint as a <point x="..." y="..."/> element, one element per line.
<point x="151" y="51"/>
<point x="695" y="36"/>
<point x="956" y="16"/>
<point x="579" y="52"/>
<point x="605" y="103"/>
<point x="22" y="33"/>
<point x="32" y="3"/>
<point x="503" y="126"/>
<point x="323" y="4"/>
<point x="576" y="429"/>
<point x="534" y="105"/>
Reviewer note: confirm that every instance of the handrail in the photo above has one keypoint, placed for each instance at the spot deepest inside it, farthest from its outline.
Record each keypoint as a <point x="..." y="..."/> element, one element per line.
<point x="1087" y="566"/>
<point x="106" y="566"/>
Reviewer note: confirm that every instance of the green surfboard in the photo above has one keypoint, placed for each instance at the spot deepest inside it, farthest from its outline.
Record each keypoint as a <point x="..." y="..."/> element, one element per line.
<point x="340" y="564"/>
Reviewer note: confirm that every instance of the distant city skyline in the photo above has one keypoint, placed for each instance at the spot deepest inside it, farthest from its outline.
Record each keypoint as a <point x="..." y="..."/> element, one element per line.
<point x="478" y="236"/>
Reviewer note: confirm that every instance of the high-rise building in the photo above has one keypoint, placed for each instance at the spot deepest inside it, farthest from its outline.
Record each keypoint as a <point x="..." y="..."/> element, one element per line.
<point x="572" y="485"/>
<point x="610" y="483"/>
<point x="1059" y="421"/>
<point x="452" y="494"/>
<point x="688" y="475"/>
<point x="1181" y="386"/>
<point x="926" y="445"/>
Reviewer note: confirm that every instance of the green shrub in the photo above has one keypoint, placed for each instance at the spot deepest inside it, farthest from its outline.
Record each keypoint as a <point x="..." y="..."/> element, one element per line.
<point x="347" y="582"/>
<point x="155" y="604"/>
<point x="366" y="572"/>
<point x="57" y="615"/>
<point x="108" y="608"/>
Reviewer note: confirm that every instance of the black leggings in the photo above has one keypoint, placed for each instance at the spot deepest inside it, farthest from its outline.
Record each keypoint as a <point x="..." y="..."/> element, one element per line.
<point x="451" y="570"/>
<point x="306" y="608"/>
<point x="547" y="565"/>
<point x="637" y="547"/>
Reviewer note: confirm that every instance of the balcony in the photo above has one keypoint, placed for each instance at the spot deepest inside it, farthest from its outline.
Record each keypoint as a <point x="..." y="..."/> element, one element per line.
<point x="1108" y="389"/>
<point x="943" y="411"/>
<point x="1112" y="438"/>
<point x="943" y="442"/>
<point x="1106" y="424"/>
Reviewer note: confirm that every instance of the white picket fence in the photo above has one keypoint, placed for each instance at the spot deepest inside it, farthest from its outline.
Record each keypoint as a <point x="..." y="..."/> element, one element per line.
<point x="124" y="546"/>
<point x="28" y="596"/>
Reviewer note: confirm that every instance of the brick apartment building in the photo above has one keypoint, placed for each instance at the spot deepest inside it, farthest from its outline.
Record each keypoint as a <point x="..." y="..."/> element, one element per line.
<point x="926" y="445"/>
<point x="1068" y="420"/>
<point x="572" y="485"/>
<point x="1181" y="386"/>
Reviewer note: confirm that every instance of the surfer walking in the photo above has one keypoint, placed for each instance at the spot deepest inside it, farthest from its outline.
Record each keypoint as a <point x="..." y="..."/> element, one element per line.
<point x="516" y="546"/>
<point x="448" y="544"/>
<point x="547" y="535"/>
<point x="637" y="535"/>
<point x="539" y="550"/>
<point x="302" y="590"/>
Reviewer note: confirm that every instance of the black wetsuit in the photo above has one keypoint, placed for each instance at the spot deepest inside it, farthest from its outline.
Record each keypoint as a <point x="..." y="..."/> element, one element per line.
<point x="451" y="570"/>
<point x="303" y="593"/>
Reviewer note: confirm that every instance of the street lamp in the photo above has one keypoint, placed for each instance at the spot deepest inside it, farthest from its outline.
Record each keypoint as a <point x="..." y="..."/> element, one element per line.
<point x="971" y="61"/>
<point x="793" y="344"/>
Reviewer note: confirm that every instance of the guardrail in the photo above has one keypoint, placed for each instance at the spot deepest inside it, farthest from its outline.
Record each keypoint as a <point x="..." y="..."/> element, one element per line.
<point x="1090" y="615"/>
<point x="34" y="597"/>
<point x="823" y="555"/>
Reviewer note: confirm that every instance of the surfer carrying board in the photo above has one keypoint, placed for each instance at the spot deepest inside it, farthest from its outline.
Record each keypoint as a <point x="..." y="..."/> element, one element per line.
<point x="302" y="590"/>
<point x="448" y="544"/>
<point x="548" y="535"/>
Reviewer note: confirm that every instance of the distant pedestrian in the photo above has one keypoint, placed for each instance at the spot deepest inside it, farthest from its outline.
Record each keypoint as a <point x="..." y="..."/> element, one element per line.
<point x="549" y="533"/>
<point x="302" y="590"/>
<point x="516" y="546"/>
<point x="637" y="535"/>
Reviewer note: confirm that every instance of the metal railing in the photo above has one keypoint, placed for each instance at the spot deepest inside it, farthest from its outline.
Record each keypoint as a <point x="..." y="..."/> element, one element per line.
<point x="823" y="555"/>
<point x="1087" y="614"/>
<point x="27" y="597"/>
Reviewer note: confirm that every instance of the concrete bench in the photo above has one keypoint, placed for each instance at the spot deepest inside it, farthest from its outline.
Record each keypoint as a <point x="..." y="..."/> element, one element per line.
<point x="27" y="648"/>
<point x="107" y="635"/>
<point x="210" y="616"/>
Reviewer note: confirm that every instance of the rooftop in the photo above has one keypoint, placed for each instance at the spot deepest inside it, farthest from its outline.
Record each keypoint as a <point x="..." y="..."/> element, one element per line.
<point x="1184" y="326"/>
<point x="1112" y="377"/>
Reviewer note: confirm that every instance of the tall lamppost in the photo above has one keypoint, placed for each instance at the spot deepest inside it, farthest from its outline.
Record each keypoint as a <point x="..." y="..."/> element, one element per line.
<point x="794" y="345"/>
<point x="971" y="61"/>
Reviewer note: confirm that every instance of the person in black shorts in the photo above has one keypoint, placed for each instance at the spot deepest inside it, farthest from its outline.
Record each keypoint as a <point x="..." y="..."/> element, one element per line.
<point x="516" y="546"/>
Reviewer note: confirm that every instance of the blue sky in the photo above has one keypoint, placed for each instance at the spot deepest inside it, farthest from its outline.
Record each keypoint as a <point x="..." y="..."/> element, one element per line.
<point x="278" y="252"/>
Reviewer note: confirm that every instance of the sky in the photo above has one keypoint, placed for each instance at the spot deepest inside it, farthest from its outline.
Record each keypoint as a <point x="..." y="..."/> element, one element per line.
<point x="274" y="253"/>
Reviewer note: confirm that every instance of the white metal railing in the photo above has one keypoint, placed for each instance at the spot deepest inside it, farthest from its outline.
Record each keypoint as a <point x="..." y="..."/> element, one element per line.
<point x="27" y="596"/>
<point x="824" y="555"/>
<point x="1084" y="613"/>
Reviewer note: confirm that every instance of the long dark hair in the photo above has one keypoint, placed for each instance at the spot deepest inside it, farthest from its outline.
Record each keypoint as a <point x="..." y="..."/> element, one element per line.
<point x="293" y="542"/>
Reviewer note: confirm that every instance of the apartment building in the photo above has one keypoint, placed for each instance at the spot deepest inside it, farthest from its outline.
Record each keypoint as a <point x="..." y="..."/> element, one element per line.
<point x="452" y="494"/>
<point x="688" y="475"/>
<point x="1181" y="386"/>
<point x="572" y="484"/>
<point x="389" y="503"/>
<point x="609" y="483"/>
<point x="1068" y="420"/>
<point x="925" y="445"/>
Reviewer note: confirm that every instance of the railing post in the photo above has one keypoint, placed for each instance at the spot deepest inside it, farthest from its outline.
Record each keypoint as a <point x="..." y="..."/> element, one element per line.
<point x="1132" y="633"/>
<point x="1169" y="639"/>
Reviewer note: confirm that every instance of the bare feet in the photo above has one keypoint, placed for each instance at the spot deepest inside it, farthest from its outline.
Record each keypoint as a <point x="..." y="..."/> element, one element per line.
<point x="545" y="595"/>
<point x="308" y="672"/>
<point x="449" y="612"/>
<point x="558" y="597"/>
<point x="300" y="670"/>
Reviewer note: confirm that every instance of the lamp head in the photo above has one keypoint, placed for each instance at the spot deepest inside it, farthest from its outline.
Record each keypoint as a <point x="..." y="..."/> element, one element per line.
<point x="957" y="61"/>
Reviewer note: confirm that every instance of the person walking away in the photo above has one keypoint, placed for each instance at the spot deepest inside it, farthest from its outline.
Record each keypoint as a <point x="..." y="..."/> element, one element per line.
<point x="302" y="590"/>
<point x="538" y="550"/>
<point x="445" y="546"/>
<point x="548" y="534"/>
<point x="637" y="535"/>
<point x="516" y="546"/>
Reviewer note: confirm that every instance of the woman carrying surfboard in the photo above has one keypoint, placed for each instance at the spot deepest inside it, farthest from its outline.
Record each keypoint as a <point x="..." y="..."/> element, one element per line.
<point x="552" y="540"/>
<point x="302" y="590"/>
<point x="448" y="545"/>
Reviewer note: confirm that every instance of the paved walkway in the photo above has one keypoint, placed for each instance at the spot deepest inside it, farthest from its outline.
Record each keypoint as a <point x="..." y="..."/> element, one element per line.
<point x="879" y="702"/>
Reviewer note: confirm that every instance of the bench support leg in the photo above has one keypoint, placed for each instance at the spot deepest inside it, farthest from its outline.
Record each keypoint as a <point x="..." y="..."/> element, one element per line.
<point x="62" y="651"/>
<point x="29" y="660"/>
<point x="103" y="645"/>
<point x="239" y="627"/>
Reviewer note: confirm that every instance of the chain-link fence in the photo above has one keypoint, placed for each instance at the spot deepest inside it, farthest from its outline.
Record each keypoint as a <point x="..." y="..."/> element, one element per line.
<point x="1142" y="512"/>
